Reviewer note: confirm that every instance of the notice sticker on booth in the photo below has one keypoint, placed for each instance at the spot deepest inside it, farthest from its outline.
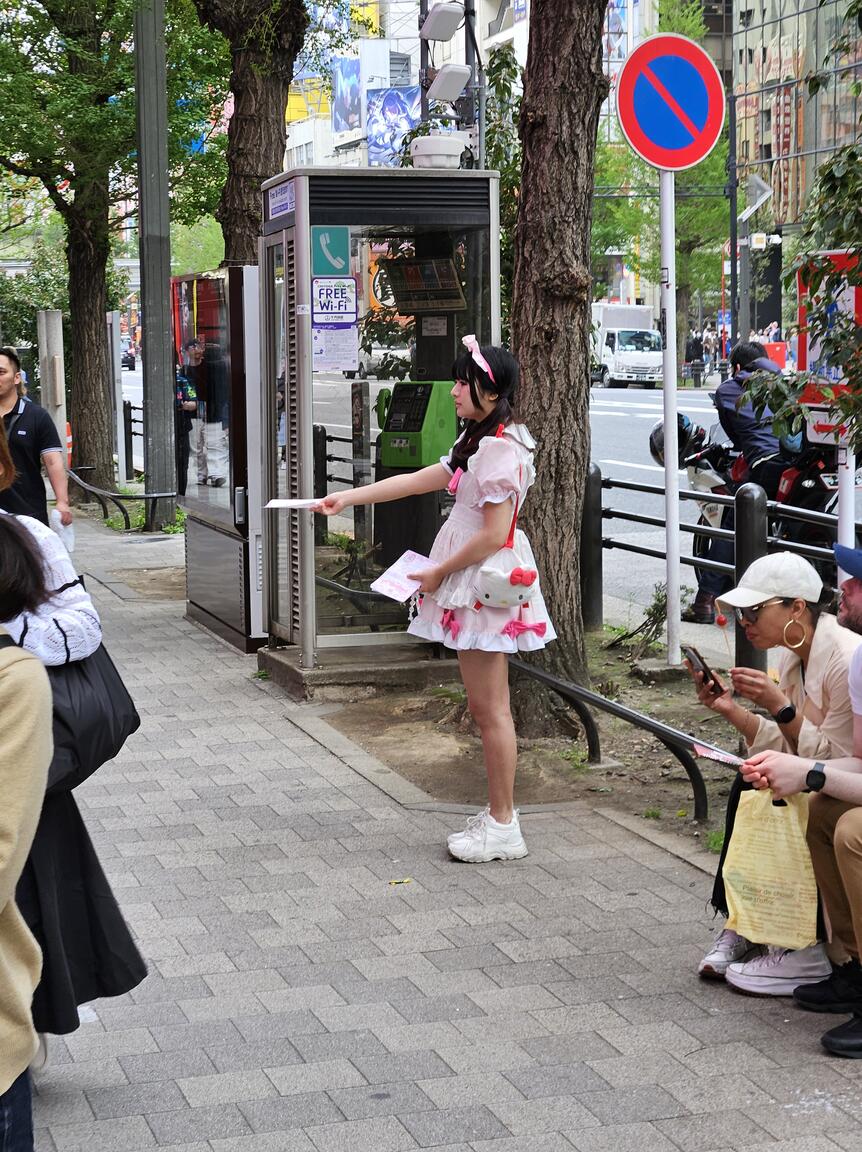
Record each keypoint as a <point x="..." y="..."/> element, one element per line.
<point x="334" y="349"/>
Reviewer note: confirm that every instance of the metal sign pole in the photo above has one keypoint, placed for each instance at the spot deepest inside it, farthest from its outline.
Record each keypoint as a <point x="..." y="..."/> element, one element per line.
<point x="846" y="502"/>
<point x="671" y="448"/>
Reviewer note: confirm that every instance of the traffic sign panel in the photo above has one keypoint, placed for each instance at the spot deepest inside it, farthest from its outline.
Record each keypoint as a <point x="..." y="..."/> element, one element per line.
<point x="670" y="102"/>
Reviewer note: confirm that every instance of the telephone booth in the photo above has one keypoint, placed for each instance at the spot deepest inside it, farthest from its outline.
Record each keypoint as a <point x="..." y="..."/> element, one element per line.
<point x="216" y="338"/>
<point x="369" y="279"/>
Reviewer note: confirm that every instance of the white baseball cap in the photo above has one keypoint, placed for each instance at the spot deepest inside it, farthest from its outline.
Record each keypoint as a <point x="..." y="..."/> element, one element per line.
<point x="782" y="574"/>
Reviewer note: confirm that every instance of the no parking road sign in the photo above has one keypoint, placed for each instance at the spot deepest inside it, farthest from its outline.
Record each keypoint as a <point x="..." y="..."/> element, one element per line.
<point x="670" y="102"/>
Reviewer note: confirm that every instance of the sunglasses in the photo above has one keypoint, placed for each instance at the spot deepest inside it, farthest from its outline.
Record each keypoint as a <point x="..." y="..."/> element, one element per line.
<point x="749" y="615"/>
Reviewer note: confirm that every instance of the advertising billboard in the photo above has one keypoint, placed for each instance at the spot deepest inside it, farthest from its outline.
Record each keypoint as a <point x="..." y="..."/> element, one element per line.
<point x="390" y="114"/>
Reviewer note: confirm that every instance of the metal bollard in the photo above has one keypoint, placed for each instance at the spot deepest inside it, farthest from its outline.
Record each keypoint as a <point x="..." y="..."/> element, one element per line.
<point x="592" y="607"/>
<point x="318" y="450"/>
<point x="750" y="544"/>
<point x="127" y="436"/>
<point x="697" y="367"/>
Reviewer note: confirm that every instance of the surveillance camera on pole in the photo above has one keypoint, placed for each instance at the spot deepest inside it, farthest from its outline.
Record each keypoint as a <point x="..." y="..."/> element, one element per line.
<point x="439" y="23"/>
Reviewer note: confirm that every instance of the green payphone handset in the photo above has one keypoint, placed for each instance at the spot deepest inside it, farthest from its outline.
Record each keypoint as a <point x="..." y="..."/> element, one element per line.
<point x="419" y="427"/>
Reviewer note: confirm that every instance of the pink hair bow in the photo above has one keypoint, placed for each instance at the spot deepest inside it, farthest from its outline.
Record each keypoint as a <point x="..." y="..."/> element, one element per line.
<point x="472" y="345"/>
<point x="450" y="622"/>
<point x="516" y="627"/>
<point x="525" y="576"/>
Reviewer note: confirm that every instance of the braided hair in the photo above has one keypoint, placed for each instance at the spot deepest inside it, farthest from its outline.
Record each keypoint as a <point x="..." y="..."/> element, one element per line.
<point x="504" y="386"/>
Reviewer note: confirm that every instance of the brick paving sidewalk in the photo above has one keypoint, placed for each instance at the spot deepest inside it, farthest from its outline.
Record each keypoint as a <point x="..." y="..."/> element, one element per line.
<point x="300" y="1002"/>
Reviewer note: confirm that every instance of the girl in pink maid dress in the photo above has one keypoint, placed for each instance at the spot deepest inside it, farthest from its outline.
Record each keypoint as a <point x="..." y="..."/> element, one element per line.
<point x="481" y="594"/>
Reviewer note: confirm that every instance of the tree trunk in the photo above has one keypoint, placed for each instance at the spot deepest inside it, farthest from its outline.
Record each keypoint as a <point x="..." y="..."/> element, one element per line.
<point x="88" y="251"/>
<point x="564" y="88"/>
<point x="683" y="304"/>
<point x="265" y="38"/>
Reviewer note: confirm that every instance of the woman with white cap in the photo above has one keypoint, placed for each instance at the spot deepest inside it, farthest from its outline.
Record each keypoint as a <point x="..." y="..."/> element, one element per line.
<point x="779" y="604"/>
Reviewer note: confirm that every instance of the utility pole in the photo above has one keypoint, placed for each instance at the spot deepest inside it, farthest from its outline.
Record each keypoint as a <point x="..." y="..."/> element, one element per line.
<point x="732" y="190"/>
<point x="154" y="243"/>
<point x="423" y="65"/>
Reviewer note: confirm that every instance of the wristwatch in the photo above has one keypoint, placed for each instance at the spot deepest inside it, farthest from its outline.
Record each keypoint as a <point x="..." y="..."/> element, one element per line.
<point x="816" y="777"/>
<point x="785" y="715"/>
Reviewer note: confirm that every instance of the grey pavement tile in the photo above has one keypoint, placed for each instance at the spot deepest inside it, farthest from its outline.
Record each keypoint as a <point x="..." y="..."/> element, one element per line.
<point x="807" y="1117"/>
<point x="849" y="1141"/>
<point x="720" y="1058"/>
<point x="311" y="998"/>
<point x="637" y="1039"/>
<point x="645" y="1068"/>
<point x="222" y="1008"/>
<point x="398" y="991"/>
<point x="560" y="1080"/>
<point x="278" y="1024"/>
<point x="707" y="1133"/>
<point x="455" y="959"/>
<point x="86" y="1045"/>
<point x="551" y="1114"/>
<point x="293" y="1141"/>
<point x="566" y="1049"/>
<point x="189" y="1124"/>
<point x="380" y="1100"/>
<point x="428" y="1009"/>
<point x="275" y="1053"/>
<point x="181" y="1036"/>
<point x="631" y="1105"/>
<point x="405" y="1066"/>
<point x="300" y="1111"/>
<point x="451" y="1125"/>
<point x="166" y="1065"/>
<point x="718" y="1093"/>
<point x="118" y="1017"/>
<point x="501" y="1028"/>
<point x="61" y="1104"/>
<point x="43" y="1141"/>
<point x="382" y="1134"/>
<point x="467" y="1059"/>
<point x="354" y="1017"/>
<point x="130" y="1134"/>
<point x="488" y="1088"/>
<point x="325" y="1076"/>
<point x="225" y="1087"/>
<point x="623" y="1138"/>
<point x="529" y="972"/>
<point x="331" y="1045"/>
<point x="135" y="1099"/>
<point x="82" y="1074"/>
<point x="596" y="1017"/>
<point x="536" y="1142"/>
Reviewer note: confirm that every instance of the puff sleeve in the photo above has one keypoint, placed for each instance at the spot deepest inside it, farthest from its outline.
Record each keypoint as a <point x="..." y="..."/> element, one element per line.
<point x="496" y="467"/>
<point x="67" y="626"/>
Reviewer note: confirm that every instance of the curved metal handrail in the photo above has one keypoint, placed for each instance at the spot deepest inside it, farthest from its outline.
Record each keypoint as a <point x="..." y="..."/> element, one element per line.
<point x="103" y="496"/>
<point x="581" y="699"/>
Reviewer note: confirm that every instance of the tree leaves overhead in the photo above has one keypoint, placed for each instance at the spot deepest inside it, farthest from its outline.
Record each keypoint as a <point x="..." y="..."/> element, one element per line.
<point x="67" y="100"/>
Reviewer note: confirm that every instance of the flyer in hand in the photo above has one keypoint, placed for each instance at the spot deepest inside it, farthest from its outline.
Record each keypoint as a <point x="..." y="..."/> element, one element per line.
<point x="395" y="582"/>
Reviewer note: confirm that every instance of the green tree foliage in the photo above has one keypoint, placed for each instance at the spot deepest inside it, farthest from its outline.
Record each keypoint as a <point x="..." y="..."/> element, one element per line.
<point x="832" y="223"/>
<point x="503" y="154"/>
<point x="196" y="247"/>
<point x="67" y="120"/>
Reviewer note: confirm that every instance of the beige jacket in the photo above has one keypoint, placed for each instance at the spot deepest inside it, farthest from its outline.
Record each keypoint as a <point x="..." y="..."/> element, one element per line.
<point x="823" y="697"/>
<point x="26" y="746"/>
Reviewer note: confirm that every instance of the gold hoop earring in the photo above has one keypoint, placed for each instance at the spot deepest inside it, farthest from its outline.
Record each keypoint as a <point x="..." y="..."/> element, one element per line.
<point x="799" y="624"/>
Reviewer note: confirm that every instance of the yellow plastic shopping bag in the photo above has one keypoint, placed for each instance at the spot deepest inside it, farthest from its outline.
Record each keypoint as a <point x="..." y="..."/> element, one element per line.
<point x="768" y="876"/>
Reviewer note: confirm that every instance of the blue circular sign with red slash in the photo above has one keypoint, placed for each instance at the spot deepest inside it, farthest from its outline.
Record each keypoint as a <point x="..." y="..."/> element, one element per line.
<point x="670" y="102"/>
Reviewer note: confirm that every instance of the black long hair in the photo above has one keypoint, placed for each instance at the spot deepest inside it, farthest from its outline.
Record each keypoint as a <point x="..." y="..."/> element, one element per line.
<point x="504" y="386"/>
<point x="22" y="573"/>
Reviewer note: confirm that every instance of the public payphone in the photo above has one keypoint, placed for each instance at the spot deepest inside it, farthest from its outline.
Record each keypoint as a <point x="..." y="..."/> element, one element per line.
<point x="369" y="279"/>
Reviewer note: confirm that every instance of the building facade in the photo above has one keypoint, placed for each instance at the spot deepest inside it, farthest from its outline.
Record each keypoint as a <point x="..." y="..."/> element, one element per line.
<point x="783" y="135"/>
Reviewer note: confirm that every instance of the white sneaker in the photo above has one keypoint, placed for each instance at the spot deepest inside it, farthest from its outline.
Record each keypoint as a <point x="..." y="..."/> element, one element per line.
<point x="472" y="821"/>
<point x="486" y="839"/>
<point x="37" y="1064"/>
<point x="780" y="971"/>
<point x="727" y="947"/>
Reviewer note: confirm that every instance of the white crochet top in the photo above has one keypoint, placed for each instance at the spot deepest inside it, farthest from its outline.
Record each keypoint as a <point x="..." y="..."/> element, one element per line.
<point x="67" y="626"/>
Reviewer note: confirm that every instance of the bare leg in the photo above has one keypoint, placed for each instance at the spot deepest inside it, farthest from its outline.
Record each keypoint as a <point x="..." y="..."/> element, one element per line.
<point x="486" y="678"/>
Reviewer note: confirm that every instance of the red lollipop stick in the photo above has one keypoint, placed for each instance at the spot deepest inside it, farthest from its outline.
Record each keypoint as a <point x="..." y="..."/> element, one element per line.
<point x="721" y="622"/>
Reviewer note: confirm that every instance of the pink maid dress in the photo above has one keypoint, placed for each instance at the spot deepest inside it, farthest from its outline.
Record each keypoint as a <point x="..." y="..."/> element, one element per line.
<point x="501" y="468"/>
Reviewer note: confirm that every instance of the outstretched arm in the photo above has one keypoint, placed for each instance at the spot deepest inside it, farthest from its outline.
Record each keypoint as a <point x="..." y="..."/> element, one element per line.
<point x="430" y="479"/>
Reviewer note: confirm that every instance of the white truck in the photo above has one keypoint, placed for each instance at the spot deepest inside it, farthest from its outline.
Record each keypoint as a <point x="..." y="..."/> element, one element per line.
<point x="627" y="346"/>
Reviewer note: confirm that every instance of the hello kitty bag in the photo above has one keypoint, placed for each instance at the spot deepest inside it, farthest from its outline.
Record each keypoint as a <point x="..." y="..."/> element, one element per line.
<point x="506" y="580"/>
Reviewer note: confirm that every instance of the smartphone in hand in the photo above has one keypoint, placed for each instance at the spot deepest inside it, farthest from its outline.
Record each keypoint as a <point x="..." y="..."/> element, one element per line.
<point x="700" y="665"/>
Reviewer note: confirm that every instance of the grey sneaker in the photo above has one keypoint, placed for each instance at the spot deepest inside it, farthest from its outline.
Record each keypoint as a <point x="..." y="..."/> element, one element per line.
<point x="727" y="948"/>
<point x="485" y="839"/>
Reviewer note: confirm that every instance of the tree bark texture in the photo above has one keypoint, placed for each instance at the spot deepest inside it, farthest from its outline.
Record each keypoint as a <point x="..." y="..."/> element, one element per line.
<point x="88" y="251"/>
<point x="265" y="37"/>
<point x="564" y="87"/>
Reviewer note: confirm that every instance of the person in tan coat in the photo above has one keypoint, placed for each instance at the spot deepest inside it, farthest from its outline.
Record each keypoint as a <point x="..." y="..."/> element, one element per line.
<point x="26" y="747"/>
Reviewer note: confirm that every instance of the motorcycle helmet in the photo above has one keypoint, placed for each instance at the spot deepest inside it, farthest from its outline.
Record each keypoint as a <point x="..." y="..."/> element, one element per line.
<point x="690" y="439"/>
